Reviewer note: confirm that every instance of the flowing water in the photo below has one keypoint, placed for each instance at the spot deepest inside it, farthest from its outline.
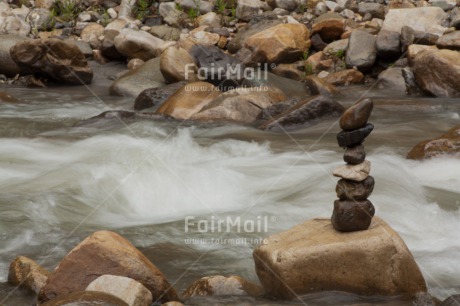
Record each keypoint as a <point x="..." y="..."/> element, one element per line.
<point x="143" y="178"/>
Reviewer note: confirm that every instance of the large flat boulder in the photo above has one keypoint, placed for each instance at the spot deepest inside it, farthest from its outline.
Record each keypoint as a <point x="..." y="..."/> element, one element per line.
<point x="438" y="72"/>
<point x="104" y="253"/>
<point x="424" y="19"/>
<point x="313" y="257"/>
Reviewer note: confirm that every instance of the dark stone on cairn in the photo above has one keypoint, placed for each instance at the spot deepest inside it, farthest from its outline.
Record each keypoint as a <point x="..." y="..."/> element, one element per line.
<point x="350" y="216"/>
<point x="354" y="155"/>
<point x="354" y="138"/>
<point x="351" y="190"/>
<point x="356" y="116"/>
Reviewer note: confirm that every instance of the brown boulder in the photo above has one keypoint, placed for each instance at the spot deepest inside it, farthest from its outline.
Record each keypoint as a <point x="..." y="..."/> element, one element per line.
<point x="176" y="65"/>
<point x="350" y="216"/>
<point x="103" y="253"/>
<point x="438" y="72"/>
<point x="56" y="59"/>
<point x="189" y="100"/>
<point x="221" y="286"/>
<point x="317" y="86"/>
<point x="283" y="43"/>
<point x="446" y="145"/>
<point x="313" y="257"/>
<point x="329" y="29"/>
<point x="26" y="273"/>
<point x="449" y="41"/>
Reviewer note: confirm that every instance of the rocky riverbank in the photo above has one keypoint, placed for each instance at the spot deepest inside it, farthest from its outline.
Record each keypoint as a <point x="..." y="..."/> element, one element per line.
<point x="247" y="61"/>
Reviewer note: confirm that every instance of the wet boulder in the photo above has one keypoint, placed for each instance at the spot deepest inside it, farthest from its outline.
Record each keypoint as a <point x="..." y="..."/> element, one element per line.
<point x="242" y="105"/>
<point x="101" y="253"/>
<point x="446" y="145"/>
<point x="188" y="100"/>
<point x="438" y="72"/>
<point x="314" y="257"/>
<point x="306" y="112"/>
<point x="222" y="286"/>
<point x="53" y="58"/>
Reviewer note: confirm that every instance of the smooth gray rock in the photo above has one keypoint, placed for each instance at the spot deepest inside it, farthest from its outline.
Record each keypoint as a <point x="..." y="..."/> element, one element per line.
<point x="137" y="80"/>
<point x="361" y="51"/>
<point x="388" y="44"/>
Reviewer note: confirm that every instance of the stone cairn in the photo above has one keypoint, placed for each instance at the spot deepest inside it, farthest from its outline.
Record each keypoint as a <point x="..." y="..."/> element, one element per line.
<point x="353" y="211"/>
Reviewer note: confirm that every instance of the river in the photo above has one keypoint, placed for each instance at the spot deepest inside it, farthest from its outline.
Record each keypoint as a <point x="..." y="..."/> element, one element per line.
<point x="143" y="178"/>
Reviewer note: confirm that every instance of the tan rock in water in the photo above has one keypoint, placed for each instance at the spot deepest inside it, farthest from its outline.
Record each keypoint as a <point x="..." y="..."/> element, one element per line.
<point x="313" y="257"/>
<point x="446" y="145"/>
<point x="176" y="65"/>
<point x="26" y="273"/>
<point x="103" y="253"/>
<point x="345" y="77"/>
<point x="189" y="100"/>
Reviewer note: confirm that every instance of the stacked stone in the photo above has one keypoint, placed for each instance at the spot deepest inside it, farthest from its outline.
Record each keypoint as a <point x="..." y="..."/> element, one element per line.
<point x="353" y="211"/>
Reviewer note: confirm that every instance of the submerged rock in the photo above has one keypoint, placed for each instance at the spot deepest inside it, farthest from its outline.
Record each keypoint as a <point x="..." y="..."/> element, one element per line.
<point x="26" y="273"/>
<point x="85" y="298"/>
<point x="56" y="59"/>
<point x="313" y="257"/>
<point x="446" y="145"/>
<point x="103" y="253"/>
<point x="222" y="286"/>
<point x="305" y="112"/>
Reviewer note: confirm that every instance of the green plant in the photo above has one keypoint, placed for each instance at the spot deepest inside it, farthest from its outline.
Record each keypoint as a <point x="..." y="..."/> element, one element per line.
<point x="142" y="8"/>
<point x="308" y="68"/>
<point x="193" y="14"/>
<point x="233" y="13"/>
<point x="221" y="7"/>
<point x="301" y="8"/>
<point x="66" y="10"/>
